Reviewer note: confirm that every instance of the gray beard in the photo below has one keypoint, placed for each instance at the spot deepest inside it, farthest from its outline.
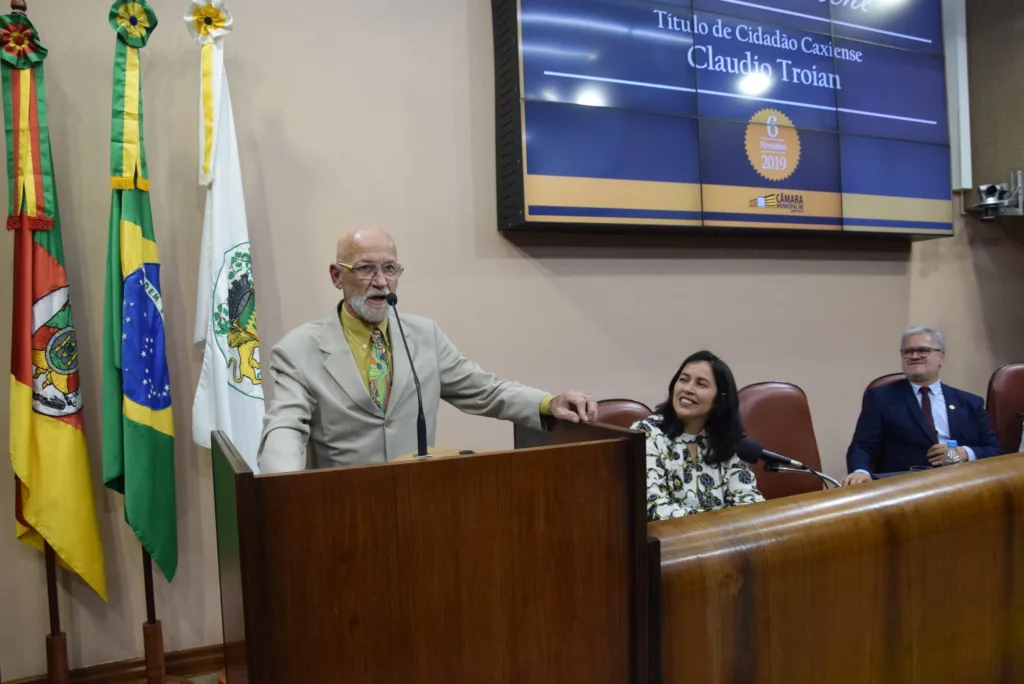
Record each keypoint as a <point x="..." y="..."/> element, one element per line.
<point x="358" y="305"/>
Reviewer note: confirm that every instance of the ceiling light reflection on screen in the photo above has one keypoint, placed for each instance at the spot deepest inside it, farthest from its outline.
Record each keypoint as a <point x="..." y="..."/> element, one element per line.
<point x="661" y="36"/>
<point x="576" y="22"/>
<point x="881" y="8"/>
<point x="558" y="52"/>
<point x="591" y="97"/>
<point x="755" y="83"/>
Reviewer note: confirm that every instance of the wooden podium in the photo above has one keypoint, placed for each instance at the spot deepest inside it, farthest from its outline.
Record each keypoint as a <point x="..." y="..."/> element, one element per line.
<point x="519" y="566"/>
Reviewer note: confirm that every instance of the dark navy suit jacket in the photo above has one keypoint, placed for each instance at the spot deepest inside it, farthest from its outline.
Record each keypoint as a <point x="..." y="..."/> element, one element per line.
<point x="892" y="435"/>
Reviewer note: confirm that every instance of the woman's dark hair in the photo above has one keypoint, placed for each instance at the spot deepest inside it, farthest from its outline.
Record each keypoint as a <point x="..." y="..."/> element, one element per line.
<point x="724" y="429"/>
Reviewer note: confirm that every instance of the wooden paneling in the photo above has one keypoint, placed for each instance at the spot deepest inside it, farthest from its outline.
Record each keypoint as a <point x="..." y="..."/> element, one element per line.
<point x="456" y="602"/>
<point x="912" y="579"/>
<point x="570" y="546"/>
<point x="330" y="591"/>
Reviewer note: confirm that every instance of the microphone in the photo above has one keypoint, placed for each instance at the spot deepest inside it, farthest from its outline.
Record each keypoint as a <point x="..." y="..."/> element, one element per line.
<point x="421" y="421"/>
<point x="751" y="452"/>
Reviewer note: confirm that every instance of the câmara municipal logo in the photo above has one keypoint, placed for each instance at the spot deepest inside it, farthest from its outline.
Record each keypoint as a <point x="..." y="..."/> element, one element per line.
<point x="234" y="321"/>
<point x="791" y="201"/>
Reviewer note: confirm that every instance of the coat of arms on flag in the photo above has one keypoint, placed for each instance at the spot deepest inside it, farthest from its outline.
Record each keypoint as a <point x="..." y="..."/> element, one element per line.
<point x="55" y="390"/>
<point x="234" y="321"/>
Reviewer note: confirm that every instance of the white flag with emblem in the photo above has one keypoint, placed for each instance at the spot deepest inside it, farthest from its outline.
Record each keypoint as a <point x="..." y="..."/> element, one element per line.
<point x="230" y="392"/>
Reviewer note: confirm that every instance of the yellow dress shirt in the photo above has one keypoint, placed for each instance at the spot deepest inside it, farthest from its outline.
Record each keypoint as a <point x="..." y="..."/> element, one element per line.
<point x="358" y="333"/>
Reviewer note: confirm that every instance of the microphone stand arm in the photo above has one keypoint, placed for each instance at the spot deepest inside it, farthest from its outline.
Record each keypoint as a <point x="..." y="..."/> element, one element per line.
<point x="802" y="471"/>
<point x="421" y="421"/>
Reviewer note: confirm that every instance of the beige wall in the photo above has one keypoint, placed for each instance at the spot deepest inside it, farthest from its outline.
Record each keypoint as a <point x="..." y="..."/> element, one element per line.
<point x="385" y="116"/>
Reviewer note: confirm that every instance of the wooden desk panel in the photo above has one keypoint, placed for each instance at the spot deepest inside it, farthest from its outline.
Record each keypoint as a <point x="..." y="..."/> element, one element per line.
<point x="914" y="579"/>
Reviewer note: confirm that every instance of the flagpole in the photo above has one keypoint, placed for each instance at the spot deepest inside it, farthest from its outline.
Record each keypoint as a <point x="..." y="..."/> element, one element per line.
<point x="56" y="640"/>
<point x="153" y="635"/>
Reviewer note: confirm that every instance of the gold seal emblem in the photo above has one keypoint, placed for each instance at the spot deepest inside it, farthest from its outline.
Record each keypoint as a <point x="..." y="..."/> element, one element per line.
<point x="773" y="144"/>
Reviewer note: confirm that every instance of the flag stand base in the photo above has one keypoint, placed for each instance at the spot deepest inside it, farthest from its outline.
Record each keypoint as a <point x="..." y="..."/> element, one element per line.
<point x="153" y="634"/>
<point x="153" y="637"/>
<point x="56" y="640"/>
<point x="57" y="659"/>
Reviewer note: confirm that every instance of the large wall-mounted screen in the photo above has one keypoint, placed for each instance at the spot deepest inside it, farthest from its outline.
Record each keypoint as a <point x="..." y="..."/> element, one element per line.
<point x="826" y="115"/>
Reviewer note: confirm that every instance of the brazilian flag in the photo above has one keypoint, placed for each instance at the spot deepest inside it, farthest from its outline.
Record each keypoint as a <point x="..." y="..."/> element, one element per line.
<point x="138" y="430"/>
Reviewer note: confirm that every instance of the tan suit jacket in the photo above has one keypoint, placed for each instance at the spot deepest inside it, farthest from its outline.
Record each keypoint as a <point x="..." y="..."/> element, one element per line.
<point x="321" y="402"/>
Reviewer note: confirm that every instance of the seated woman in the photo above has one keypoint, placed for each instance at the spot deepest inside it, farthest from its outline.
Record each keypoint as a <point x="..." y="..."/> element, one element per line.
<point x="691" y="444"/>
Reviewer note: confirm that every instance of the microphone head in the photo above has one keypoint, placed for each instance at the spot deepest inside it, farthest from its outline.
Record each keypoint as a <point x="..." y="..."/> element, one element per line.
<point x="749" y="451"/>
<point x="392" y="298"/>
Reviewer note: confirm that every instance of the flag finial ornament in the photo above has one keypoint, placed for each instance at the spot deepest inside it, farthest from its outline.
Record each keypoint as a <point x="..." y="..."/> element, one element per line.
<point x="19" y="6"/>
<point x="208" y="20"/>
<point x="134" y="21"/>
<point x="19" y="42"/>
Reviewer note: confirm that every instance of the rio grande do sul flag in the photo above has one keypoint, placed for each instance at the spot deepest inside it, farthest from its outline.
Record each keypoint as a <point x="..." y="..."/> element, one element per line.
<point x="229" y="396"/>
<point x="138" y="428"/>
<point x="53" y="496"/>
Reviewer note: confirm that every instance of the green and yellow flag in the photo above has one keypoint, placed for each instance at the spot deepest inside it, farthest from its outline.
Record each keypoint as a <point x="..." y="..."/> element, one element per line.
<point x="138" y="430"/>
<point x="53" y="497"/>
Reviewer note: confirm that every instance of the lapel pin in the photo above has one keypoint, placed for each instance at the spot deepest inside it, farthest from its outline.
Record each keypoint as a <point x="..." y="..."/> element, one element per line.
<point x="952" y="408"/>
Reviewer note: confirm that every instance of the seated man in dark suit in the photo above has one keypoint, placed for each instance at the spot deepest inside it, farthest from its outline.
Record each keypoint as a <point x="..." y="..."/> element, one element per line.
<point x="907" y="424"/>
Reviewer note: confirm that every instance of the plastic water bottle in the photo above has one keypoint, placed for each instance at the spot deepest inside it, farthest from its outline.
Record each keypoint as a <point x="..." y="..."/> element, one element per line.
<point x="952" y="455"/>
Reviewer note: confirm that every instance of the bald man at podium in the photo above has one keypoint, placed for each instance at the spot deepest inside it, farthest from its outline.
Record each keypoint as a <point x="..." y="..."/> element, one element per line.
<point x="344" y="388"/>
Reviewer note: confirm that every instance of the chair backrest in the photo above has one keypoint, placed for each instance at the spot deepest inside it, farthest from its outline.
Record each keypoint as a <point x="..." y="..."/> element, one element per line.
<point x="777" y="415"/>
<point x="618" y="412"/>
<point x="1005" y="405"/>
<point x="884" y="380"/>
<point x="621" y="412"/>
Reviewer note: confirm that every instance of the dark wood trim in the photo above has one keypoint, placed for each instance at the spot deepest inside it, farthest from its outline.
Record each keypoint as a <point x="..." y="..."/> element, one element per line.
<point x="234" y="491"/>
<point x="186" y="663"/>
<point x="251" y="549"/>
<point x="654" y="610"/>
<point x="637" y="470"/>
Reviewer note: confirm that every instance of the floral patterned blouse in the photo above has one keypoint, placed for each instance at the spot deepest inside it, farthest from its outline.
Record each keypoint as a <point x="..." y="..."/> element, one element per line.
<point x="676" y="486"/>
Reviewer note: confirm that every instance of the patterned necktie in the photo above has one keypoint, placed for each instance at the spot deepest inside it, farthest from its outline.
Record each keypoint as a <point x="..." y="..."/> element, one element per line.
<point x="926" y="409"/>
<point x="380" y="371"/>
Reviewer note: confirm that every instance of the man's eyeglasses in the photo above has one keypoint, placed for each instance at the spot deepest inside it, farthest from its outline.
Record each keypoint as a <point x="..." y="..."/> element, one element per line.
<point x="912" y="352"/>
<point x="367" y="271"/>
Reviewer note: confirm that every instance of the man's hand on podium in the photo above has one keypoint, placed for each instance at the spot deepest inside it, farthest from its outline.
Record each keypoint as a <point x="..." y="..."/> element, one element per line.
<point x="432" y="452"/>
<point x="574" y="407"/>
<point x="855" y="478"/>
